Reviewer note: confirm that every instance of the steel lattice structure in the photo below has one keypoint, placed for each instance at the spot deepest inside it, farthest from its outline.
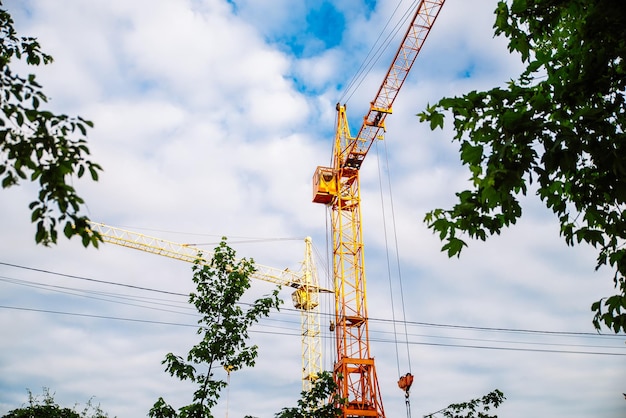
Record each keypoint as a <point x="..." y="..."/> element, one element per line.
<point x="338" y="187"/>
<point x="305" y="282"/>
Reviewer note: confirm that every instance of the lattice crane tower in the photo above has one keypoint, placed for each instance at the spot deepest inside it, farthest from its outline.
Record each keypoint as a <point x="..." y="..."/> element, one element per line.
<point x="338" y="188"/>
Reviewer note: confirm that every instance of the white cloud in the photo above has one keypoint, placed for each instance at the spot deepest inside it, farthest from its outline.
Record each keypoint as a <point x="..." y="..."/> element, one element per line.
<point x="202" y="133"/>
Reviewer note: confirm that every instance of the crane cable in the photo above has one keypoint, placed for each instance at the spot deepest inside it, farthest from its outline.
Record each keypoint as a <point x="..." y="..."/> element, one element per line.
<point x="405" y="381"/>
<point x="377" y="50"/>
<point x="330" y="307"/>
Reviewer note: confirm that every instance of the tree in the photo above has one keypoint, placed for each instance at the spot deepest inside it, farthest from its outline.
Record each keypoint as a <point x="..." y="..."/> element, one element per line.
<point x="48" y="408"/>
<point x="476" y="408"/>
<point x="40" y="146"/>
<point x="559" y="130"/>
<point x="321" y="401"/>
<point x="224" y="328"/>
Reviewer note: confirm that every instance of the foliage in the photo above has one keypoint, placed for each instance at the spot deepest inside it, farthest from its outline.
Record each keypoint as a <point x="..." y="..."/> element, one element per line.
<point x="40" y="146"/>
<point x="48" y="408"/>
<point x="321" y="401"/>
<point x="224" y="328"/>
<point x="476" y="408"/>
<point x="560" y="127"/>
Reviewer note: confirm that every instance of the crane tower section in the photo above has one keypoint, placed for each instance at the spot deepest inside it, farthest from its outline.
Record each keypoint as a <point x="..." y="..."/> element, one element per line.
<point x="338" y="188"/>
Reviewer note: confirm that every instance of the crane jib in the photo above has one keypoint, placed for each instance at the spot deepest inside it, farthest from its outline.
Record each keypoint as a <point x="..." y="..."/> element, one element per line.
<point x="374" y="122"/>
<point x="306" y="284"/>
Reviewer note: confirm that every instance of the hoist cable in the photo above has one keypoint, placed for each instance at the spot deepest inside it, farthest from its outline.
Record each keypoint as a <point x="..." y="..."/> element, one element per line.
<point x="397" y="247"/>
<point x="375" y="51"/>
<point x="330" y="304"/>
<point x="408" y="407"/>
<point x="372" y="58"/>
<point x="399" y="270"/>
<point x="393" y="310"/>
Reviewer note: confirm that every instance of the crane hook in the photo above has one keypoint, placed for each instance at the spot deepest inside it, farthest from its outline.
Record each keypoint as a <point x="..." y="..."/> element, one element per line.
<point x="405" y="383"/>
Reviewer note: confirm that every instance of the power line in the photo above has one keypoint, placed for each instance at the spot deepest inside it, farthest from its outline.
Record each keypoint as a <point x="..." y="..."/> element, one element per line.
<point x="372" y="319"/>
<point x="291" y="312"/>
<point x="145" y="321"/>
<point x="106" y="296"/>
<point x="514" y="330"/>
<point x="147" y="289"/>
<point x="115" y="318"/>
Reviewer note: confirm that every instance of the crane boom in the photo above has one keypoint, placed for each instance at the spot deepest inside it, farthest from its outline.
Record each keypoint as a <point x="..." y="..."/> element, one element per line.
<point x="355" y="149"/>
<point x="306" y="283"/>
<point x="187" y="253"/>
<point x="338" y="187"/>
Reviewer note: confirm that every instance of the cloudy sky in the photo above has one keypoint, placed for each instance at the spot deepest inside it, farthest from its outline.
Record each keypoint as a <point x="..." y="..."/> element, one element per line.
<point x="210" y="118"/>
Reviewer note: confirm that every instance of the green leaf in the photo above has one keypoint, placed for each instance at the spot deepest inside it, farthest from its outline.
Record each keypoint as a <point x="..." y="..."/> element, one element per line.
<point x="471" y="154"/>
<point x="69" y="230"/>
<point x="93" y="171"/>
<point x="454" y="246"/>
<point x="436" y="120"/>
<point x="19" y="119"/>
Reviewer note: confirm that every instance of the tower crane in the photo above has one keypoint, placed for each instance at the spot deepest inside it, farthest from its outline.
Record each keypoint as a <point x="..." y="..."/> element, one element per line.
<point x="338" y="188"/>
<point x="305" y="282"/>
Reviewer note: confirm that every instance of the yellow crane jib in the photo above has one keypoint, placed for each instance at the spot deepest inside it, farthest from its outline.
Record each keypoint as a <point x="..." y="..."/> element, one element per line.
<point x="306" y="283"/>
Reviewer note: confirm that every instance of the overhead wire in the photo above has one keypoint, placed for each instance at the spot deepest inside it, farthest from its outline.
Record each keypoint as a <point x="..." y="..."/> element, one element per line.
<point x="293" y="312"/>
<point x="105" y="296"/>
<point x="295" y="334"/>
<point x="70" y="276"/>
<point x="330" y="315"/>
<point x="377" y="335"/>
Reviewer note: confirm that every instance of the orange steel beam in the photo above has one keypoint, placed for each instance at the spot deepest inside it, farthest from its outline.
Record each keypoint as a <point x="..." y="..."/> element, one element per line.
<point x="354" y="151"/>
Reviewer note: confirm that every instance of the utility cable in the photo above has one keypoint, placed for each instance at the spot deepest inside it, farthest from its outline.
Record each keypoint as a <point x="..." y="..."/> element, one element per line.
<point x="72" y="292"/>
<point x="331" y="315"/>
<point x="147" y="289"/>
<point x="296" y="334"/>
<point x="289" y="312"/>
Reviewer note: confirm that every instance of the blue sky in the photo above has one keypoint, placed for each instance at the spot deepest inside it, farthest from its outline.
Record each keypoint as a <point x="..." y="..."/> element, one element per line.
<point x="211" y="117"/>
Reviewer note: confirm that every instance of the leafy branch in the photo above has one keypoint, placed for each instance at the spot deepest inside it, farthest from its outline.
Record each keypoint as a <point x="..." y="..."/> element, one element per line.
<point x="224" y="327"/>
<point x="39" y="146"/>
<point x="560" y="126"/>
<point x="475" y="408"/>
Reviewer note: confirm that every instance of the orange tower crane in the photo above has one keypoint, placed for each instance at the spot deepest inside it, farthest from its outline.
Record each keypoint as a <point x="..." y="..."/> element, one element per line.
<point x="338" y="188"/>
<point x="305" y="296"/>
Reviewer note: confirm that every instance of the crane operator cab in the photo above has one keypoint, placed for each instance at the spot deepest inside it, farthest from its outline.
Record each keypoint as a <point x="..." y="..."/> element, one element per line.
<point x="324" y="185"/>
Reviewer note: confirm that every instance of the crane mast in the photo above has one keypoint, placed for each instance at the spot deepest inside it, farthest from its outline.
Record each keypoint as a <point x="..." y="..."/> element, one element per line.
<point x="305" y="282"/>
<point x="338" y="188"/>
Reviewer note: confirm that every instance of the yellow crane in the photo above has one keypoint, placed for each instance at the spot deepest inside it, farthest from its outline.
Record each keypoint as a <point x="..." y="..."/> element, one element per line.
<point x="338" y="188"/>
<point x="305" y="282"/>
